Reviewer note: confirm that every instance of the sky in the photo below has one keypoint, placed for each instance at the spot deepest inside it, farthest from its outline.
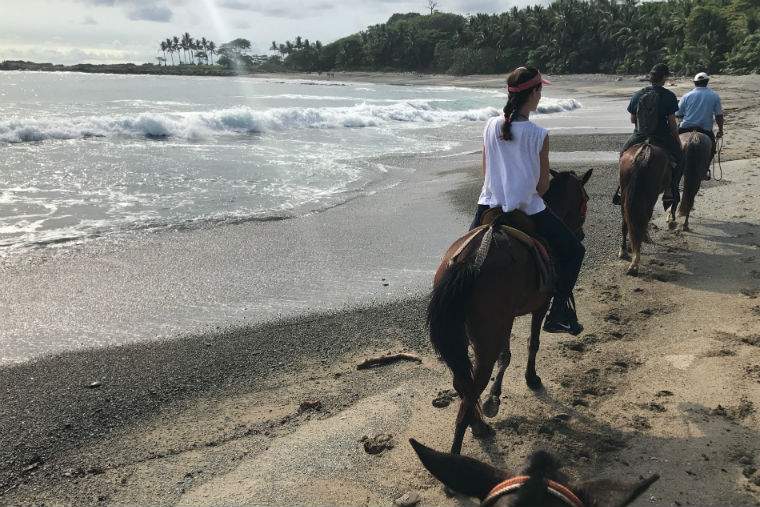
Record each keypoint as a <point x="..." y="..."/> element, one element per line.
<point x="108" y="31"/>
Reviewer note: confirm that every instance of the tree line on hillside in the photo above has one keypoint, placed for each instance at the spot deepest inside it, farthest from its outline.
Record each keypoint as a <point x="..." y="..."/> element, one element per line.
<point x="568" y="36"/>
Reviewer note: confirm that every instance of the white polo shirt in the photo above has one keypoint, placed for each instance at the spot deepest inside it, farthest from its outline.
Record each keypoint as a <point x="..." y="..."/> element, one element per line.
<point x="513" y="167"/>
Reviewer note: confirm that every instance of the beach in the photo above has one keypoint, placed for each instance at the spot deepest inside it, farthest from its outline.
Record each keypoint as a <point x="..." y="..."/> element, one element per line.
<point x="217" y="365"/>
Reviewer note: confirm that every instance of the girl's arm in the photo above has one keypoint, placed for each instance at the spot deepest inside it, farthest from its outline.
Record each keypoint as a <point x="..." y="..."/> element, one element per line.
<point x="484" y="161"/>
<point x="543" y="178"/>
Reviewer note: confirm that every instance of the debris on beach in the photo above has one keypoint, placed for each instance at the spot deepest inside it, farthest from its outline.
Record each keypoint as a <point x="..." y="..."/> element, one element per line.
<point x="378" y="443"/>
<point x="407" y="499"/>
<point x="94" y="385"/>
<point x="309" y="405"/>
<point x="444" y="398"/>
<point x="387" y="359"/>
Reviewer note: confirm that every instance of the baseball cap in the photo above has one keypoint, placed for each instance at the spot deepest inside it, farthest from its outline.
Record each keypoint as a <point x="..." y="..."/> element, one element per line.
<point x="702" y="76"/>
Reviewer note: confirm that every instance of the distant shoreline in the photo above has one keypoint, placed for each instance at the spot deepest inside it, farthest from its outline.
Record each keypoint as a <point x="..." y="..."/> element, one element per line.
<point x="120" y="68"/>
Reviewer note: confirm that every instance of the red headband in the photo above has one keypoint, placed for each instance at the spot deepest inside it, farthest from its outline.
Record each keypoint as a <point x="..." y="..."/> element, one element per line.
<point x="528" y="84"/>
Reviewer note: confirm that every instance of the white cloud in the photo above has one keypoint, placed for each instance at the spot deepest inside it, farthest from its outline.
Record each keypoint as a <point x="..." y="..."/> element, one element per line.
<point x="138" y="10"/>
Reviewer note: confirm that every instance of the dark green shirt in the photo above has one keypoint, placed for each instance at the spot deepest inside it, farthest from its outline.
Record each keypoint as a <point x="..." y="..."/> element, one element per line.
<point x="667" y="105"/>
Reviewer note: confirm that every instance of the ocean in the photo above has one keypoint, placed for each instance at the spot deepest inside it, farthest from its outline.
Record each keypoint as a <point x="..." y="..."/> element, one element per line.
<point x="89" y="156"/>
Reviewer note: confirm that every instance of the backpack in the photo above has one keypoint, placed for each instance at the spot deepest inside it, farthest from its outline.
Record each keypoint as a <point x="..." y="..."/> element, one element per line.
<point x="647" y="113"/>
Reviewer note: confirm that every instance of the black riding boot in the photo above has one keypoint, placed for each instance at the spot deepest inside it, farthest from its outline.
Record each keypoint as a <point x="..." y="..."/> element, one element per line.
<point x="562" y="317"/>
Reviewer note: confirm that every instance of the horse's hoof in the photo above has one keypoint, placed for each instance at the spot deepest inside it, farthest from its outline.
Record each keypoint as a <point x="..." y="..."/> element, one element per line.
<point x="685" y="228"/>
<point x="623" y="254"/>
<point x="672" y="224"/>
<point x="534" y="382"/>
<point x="482" y="430"/>
<point x="648" y="239"/>
<point x="491" y="406"/>
<point x="632" y="271"/>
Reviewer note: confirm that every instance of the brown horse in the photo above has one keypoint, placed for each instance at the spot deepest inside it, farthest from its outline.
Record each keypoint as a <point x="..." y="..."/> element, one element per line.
<point x="644" y="172"/>
<point x="541" y="483"/>
<point x="697" y="154"/>
<point x="477" y="296"/>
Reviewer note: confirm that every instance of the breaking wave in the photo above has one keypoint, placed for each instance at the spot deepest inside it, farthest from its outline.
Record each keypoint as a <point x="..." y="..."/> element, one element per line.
<point x="208" y="124"/>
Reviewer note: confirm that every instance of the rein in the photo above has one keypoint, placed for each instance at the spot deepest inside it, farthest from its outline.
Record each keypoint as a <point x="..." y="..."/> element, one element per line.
<point x="511" y="485"/>
<point x="720" y="166"/>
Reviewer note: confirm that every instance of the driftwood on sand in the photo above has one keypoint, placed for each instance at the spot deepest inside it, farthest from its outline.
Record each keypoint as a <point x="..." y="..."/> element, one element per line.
<point x="390" y="358"/>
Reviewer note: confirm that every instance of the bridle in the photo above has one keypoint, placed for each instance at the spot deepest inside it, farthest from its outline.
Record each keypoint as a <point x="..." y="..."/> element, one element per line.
<point x="511" y="485"/>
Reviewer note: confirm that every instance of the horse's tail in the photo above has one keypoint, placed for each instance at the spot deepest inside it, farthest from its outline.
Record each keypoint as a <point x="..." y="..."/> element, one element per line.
<point x="447" y="315"/>
<point x="692" y="176"/>
<point x="637" y="212"/>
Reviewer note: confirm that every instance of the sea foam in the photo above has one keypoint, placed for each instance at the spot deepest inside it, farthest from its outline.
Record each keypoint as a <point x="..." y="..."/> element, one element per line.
<point x="208" y="124"/>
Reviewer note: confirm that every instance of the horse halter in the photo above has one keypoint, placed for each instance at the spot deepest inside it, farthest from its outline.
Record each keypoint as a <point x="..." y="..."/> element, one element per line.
<point x="511" y="485"/>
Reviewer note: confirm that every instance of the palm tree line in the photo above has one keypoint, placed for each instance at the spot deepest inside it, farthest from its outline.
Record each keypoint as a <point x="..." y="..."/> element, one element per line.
<point x="188" y="50"/>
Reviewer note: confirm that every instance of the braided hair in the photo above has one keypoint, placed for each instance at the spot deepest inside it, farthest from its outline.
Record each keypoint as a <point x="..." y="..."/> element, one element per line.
<point x="515" y="101"/>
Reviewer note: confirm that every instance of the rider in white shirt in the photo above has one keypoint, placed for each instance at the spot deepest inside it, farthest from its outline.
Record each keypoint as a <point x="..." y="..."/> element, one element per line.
<point x="516" y="175"/>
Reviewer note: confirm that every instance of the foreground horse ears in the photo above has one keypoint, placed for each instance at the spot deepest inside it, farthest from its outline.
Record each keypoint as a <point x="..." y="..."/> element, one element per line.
<point x="553" y="173"/>
<point x="615" y="493"/>
<point x="462" y="474"/>
<point x="587" y="176"/>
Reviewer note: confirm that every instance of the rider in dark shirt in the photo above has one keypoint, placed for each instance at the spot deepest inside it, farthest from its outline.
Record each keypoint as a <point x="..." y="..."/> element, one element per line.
<point x="666" y="134"/>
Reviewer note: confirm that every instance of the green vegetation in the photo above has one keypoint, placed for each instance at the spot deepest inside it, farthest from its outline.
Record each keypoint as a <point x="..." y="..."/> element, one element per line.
<point x="569" y="36"/>
<point x="189" y="50"/>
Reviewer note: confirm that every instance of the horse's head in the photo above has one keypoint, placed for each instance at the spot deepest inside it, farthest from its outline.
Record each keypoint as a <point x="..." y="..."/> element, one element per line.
<point x="568" y="199"/>
<point x="541" y="483"/>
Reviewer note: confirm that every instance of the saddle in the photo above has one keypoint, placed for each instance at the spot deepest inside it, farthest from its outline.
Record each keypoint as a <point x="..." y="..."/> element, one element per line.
<point x="519" y="226"/>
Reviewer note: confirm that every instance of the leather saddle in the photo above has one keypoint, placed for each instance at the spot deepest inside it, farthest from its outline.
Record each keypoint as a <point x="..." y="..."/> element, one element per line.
<point x="519" y="226"/>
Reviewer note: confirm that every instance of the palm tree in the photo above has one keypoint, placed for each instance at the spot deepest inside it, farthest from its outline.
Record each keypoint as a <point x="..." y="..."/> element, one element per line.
<point x="177" y="46"/>
<point x="203" y="45"/>
<point x="187" y="42"/>
<point x="211" y="47"/>
<point x="163" y="50"/>
<point x="170" y="48"/>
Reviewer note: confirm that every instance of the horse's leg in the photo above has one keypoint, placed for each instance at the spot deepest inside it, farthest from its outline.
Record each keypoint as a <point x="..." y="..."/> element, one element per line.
<point x="491" y="405"/>
<point x="488" y="342"/>
<point x="633" y="269"/>
<point x="531" y="378"/>
<point x="463" y="420"/>
<point x="685" y="226"/>
<point x="672" y="224"/>
<point x="623" y="246"/>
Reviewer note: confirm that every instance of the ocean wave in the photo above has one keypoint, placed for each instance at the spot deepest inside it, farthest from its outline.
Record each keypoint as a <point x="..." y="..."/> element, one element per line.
<point x="208" y="124"/>
<point x="548" y="105"/>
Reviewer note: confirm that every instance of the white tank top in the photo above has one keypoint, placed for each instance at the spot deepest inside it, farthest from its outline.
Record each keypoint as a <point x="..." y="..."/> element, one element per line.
<point x="513" y="167"/>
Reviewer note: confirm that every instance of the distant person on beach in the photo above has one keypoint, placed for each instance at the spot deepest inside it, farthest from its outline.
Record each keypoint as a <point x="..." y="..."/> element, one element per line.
<point x="653" y="110"/>
<point x="516" y="175"/>
<point x="699" y="110"/>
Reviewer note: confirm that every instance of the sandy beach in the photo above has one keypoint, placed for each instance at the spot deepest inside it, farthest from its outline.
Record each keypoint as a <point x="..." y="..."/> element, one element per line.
<point x="245" y="412"/>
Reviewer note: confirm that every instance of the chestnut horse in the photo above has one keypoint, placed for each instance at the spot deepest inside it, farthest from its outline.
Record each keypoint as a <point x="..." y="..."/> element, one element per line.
<point x="644" y="172"/>
<point x="697" y="154"/>
<point x="476" y="298"/>
<point x="541" y="482"/>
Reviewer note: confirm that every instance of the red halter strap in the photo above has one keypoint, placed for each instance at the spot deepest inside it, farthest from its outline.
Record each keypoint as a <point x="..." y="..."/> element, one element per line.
<point x="515" y="483"/>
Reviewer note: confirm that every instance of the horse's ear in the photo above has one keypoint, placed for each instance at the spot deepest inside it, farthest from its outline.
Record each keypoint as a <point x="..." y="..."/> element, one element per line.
<point x="587" y="176"/>
<point x="553" y="173"/>
<point x="614" y="493"/>
<point x="462" y="474"/>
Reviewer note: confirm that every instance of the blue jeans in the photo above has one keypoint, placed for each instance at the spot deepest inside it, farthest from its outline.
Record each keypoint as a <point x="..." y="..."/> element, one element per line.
<point x="566" y="249"/>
